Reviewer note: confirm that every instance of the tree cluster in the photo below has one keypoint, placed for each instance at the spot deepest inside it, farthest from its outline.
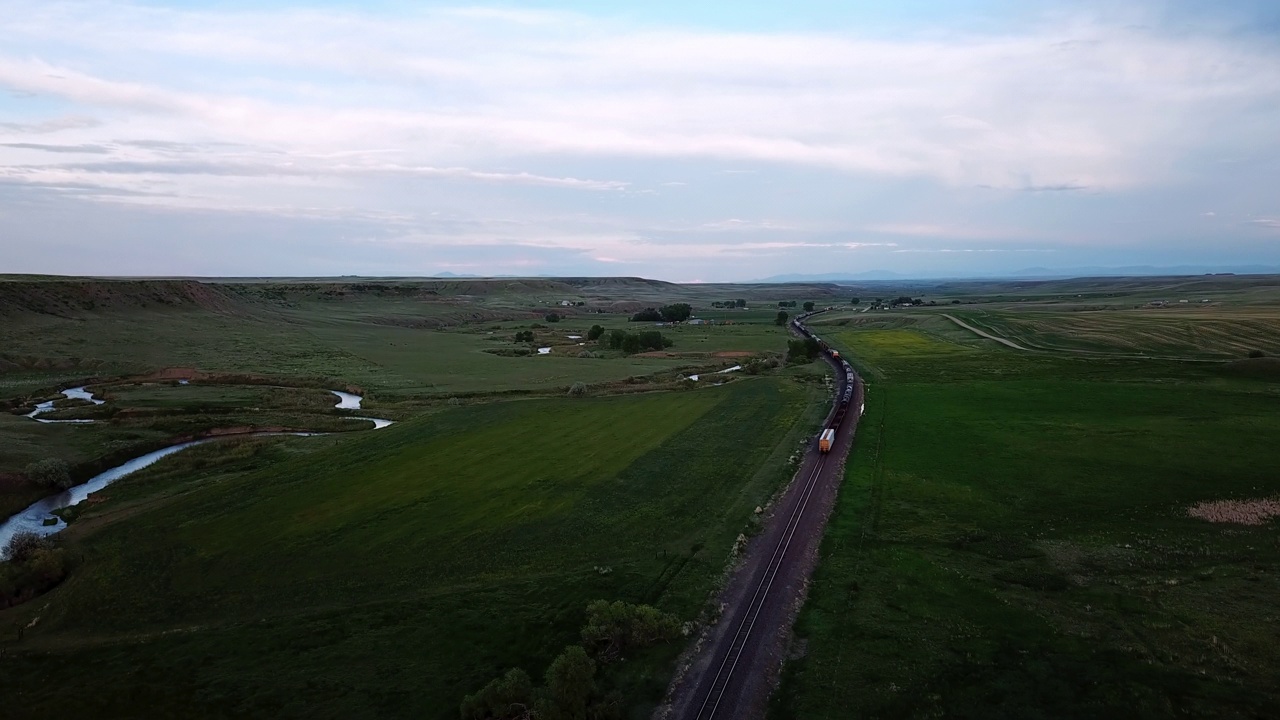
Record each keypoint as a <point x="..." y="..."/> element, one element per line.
<point x="524" y="336"/>
<point x="679" y="312"/>
<point x="34" y="566"/>
<point x="595" y="332"/>
<point x="571" y="690"/>
<point x="614" y="628"/>
<point x="552" y="317"/>
<point x="803" y="350"/>
<point x="631" y="343"/>
<point x="786" y="303"/>
<point x="50" y="473"/>
<point x="729" y="303"/>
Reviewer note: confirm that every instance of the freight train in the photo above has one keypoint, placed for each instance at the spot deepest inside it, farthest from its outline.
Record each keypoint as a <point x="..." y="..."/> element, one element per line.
<point x="844" y="393"/>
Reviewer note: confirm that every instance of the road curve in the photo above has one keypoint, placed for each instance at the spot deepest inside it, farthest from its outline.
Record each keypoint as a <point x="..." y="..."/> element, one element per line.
<point x="732" y="672"/>
<point x="983" y="333"/>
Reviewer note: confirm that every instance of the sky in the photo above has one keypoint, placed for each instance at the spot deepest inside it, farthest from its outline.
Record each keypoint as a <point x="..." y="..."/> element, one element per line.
<point x="689" y="141"/>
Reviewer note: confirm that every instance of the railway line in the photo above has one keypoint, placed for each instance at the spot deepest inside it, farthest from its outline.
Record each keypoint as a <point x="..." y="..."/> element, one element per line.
<point x="731" y="677"/>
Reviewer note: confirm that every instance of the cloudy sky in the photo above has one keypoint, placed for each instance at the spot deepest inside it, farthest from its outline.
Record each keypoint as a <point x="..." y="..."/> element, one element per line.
<point x="682" y="140"/>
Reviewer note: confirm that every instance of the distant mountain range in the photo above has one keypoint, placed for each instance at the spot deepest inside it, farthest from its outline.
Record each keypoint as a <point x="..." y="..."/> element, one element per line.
<point x="1038" y="273"/>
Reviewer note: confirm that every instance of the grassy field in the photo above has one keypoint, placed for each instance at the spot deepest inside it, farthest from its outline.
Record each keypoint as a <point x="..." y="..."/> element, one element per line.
<point x="1013" y="539"/>
<point x="387" y="574"/>
<point x="1197" y="332"/>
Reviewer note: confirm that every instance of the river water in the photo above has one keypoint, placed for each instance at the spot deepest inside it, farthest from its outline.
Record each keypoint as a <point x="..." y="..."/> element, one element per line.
<point x="35" y="516"/>
<point x="78" y="393"/>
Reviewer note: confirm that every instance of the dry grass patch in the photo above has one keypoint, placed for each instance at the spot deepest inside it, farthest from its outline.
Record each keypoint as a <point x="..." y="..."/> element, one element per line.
<point x="1238" y="512"/>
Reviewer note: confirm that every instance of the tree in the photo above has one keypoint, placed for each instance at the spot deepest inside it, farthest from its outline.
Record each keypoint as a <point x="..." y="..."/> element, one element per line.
<point x="50" y="472"/>
<point x="595" y="332"/>
<point x="570" y="683"/>
<point x="631" y="344"/>
<point x="740" y="303"/>
<point x="552" y="317"/>
<point x="524" y="336"/>
<point x="506" y="698"/>
<point x="781" y="319"/>
<point x="679" y="312"/>
<point x="615" y="339"/>
<point x="23" y="546"/>
<point x="1257" y="354"/>
<point x="808" y="306"/>
<point x="855" y="301"/>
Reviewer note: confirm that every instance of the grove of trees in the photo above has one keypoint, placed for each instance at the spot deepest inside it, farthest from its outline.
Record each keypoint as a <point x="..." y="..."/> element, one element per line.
<point x="631" y="343"/>
<point x="802" y="351"/>
<point x="34" y="565"/>
<point x="679" y="312"/>
<point x="571" y="689"/>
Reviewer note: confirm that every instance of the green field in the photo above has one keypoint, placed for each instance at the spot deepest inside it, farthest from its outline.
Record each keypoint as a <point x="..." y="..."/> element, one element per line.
<point x="390" y="573"/>
<point x="1013" y="539"/>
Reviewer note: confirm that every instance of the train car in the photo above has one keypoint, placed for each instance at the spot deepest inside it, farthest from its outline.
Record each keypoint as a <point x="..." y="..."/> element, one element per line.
<point x="826" y="440"/>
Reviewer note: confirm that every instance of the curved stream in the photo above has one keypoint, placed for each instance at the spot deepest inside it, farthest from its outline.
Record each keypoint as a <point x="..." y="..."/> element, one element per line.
<point x="39" y="517"/>
<point x="77" y="393"/>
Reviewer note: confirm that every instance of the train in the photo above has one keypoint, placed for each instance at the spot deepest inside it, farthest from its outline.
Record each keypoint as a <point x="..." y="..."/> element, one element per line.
<point x="844" y="393"/>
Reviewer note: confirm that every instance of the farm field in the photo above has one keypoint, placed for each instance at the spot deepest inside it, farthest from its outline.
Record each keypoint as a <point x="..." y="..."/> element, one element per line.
<point x="1013" y="539"/>
<point x="350" y="573"/>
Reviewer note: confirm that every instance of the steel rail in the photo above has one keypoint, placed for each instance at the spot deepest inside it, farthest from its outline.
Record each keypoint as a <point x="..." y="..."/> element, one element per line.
<point x="720" y="684"/>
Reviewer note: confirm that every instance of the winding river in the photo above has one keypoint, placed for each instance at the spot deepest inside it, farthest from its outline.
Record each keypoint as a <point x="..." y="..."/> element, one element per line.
<point x="39" y="517"/>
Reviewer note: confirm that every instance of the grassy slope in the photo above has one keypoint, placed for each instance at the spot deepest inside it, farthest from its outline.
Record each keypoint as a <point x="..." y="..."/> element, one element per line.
<point x="1011" y="543"/>
<point x="387" y="574"/>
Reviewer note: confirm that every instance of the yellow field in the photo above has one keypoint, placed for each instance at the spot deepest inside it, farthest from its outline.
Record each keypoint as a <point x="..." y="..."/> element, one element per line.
<point x="876" y="344"/>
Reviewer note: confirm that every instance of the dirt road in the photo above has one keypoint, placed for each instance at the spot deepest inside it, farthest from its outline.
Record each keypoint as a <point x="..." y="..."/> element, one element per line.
<point x="736" y="665"/>
<point x="983" y="333"/>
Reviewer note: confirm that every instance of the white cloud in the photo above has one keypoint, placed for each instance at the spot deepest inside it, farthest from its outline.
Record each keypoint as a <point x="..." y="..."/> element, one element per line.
<point x="440" y="128"/>
<point x="1064" y="106"/>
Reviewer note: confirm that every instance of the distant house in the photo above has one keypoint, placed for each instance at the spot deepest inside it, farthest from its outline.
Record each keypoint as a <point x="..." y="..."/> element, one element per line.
<point x="697" y="321"/>
<point x="566" y="303"/>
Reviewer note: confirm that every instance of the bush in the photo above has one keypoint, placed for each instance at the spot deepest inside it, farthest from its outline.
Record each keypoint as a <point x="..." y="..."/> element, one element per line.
<point x="578" y="389"/>
<point x="50" y="472"/>
<point x="595" y="332"/>
<point x="1257" y="354"/>
<point x="24" y="545"/>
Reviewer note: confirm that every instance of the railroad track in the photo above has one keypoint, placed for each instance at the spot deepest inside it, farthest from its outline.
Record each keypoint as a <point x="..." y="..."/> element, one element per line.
<point x="743" y="653"/>
<point x="742" y="635"/>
